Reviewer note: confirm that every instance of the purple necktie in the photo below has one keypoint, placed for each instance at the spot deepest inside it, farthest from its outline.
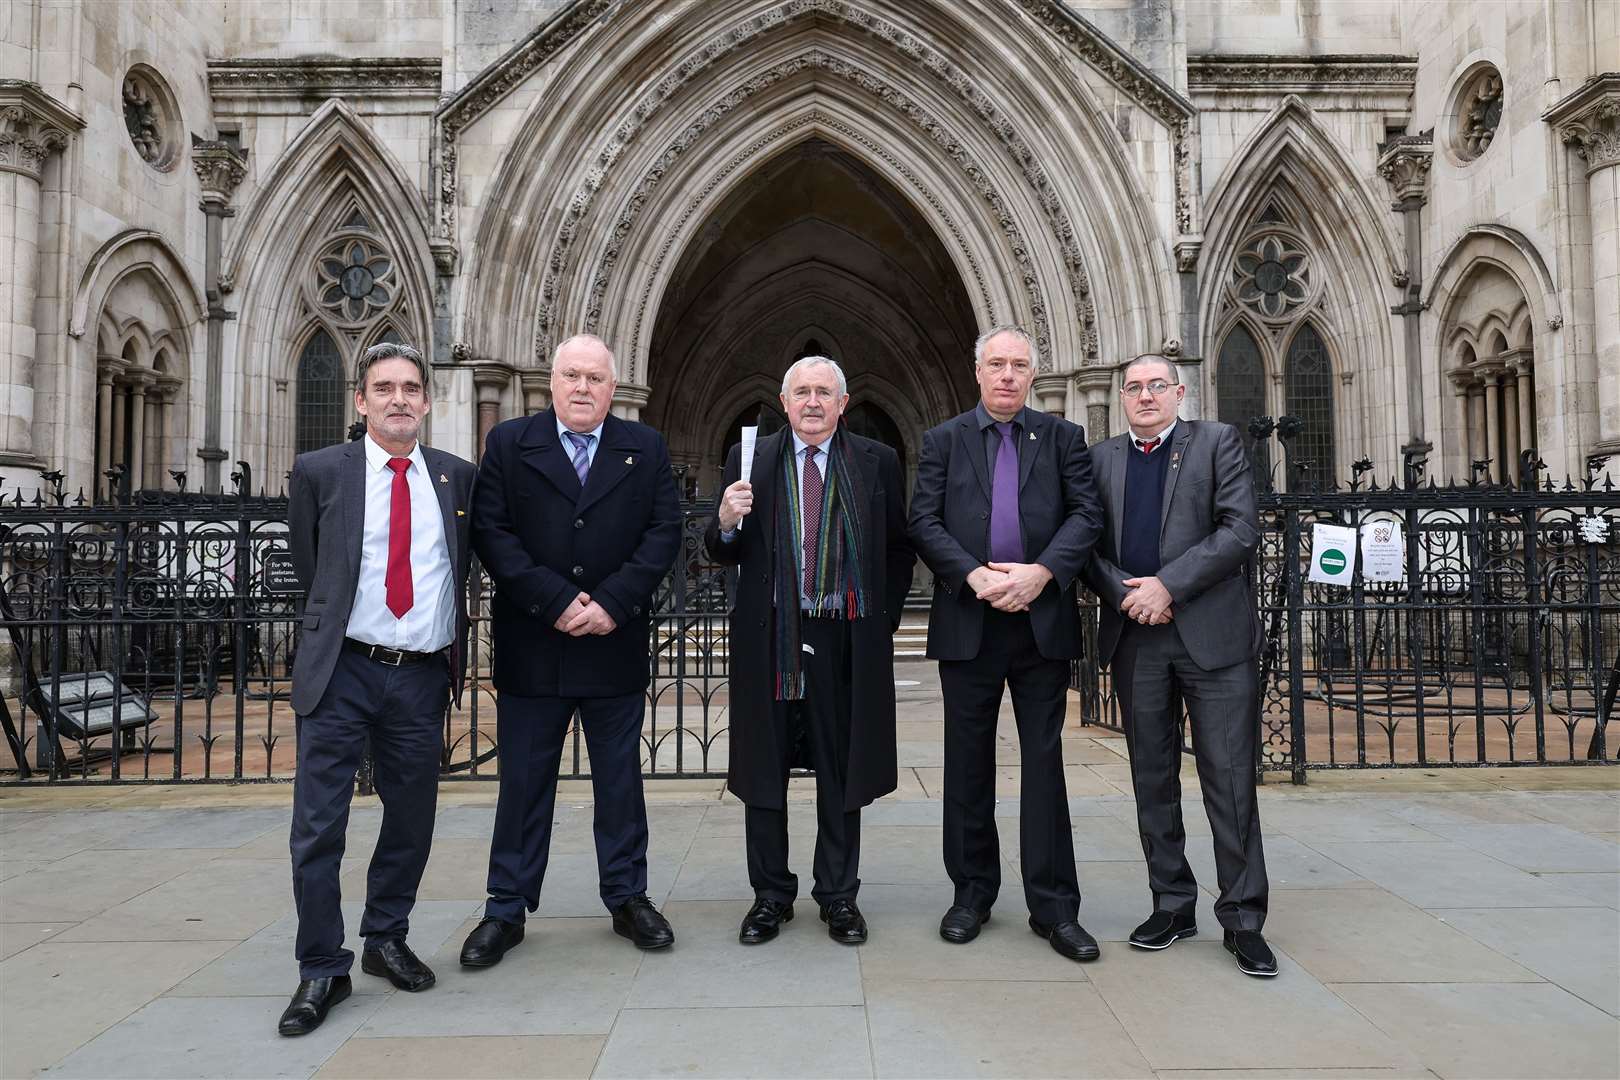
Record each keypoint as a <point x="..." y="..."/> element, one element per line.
<point x="582" y="454"/>
<point x="1006" y="542"/>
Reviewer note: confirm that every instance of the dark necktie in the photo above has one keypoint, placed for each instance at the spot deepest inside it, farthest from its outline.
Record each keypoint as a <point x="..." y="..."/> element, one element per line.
<point x="1006" y="540"/>
<point x="397" y="589"/>
<point x="812" y="519"/>
<point x="1148" y="445"/>
<point x="582" y="454"/>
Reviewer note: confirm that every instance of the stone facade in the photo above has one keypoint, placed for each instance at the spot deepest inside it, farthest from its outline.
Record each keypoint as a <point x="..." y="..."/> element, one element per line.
<point x="1400" y="222"/>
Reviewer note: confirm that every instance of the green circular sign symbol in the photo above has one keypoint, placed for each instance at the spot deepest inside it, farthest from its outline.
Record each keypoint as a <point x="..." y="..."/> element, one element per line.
<point x="1332" y="561"/>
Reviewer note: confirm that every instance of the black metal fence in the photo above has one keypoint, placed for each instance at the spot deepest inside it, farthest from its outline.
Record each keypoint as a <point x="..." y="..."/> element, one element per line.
<point x="151" y="638"/>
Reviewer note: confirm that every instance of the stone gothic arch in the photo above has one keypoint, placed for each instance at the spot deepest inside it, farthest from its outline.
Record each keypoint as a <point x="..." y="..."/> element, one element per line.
<point x="336" y="183"/>
<point x="1015" y="167"/>
<point x="1292" y="180"/>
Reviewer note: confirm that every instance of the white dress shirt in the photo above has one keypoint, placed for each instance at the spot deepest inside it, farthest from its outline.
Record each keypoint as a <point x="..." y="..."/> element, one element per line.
<point x="430" y="623"/>
<point x="1163" y="437"/>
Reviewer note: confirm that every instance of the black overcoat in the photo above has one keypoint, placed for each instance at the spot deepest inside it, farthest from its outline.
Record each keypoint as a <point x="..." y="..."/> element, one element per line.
<point x="754" y="772"/>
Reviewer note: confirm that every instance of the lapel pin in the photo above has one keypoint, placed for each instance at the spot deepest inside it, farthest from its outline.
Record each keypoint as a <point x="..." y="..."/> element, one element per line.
<point x="461" y="513"/>
<point x="1032" y="436"/>
<point x="443" y="479"/>
<point x="630" y="460"/>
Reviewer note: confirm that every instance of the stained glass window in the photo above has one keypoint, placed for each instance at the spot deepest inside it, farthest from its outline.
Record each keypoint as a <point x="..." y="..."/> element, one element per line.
<point x="322" y="394"/>
<point x="1308" y="381"/>
<point x="1240" y="381"/>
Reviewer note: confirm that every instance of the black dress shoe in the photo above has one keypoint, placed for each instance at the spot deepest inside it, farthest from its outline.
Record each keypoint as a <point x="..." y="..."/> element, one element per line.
<point x="1163" y="929"/>
<point x="764" y="921"/>
<point x="393" y="960"/>
<point x="1068" y="938"/>
<point x="310" y="1003"/>
<point x="961" y="924"/>
<point x="1253" y="954"/>
<point x="489" y="941"/>
<point x="845" y="923"/>
<point x="639" y="921"/>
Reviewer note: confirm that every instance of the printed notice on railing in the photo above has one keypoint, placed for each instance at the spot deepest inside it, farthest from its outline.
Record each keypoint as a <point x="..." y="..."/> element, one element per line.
<point x="1333" y="554"/>
<point x="1383" y="551"/>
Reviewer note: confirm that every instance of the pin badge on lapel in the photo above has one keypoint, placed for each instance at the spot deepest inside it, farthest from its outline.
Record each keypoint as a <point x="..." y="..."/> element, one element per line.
<point x="631" y="460"/>
<point x="1032" y="436"/>
<point x="461" y="513"/>
<point x="1175" y="458"/>
<point x="443" y="479"/>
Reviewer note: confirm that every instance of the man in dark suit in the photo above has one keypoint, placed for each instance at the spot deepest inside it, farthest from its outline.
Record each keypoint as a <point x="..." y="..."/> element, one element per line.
<point x="576" y="520"/>
<point x="823" y="571"/>
<point x="1178" y="623"/>
<point x="1005" y="514"/>
<point x="378" y="530"/>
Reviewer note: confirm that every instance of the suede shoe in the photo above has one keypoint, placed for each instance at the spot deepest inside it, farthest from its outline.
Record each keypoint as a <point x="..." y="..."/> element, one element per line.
<point x="961" y="924"/>
<point x="639" y="921"/>
<point x="310" y="1003"/>
<point x="1069" y="938"/>
<point x="393" y="960"/>
<point x="845" y="923"/>
<point x="489" y="941"/>
<point x="764" y="921"/>
<point x="1163" y="929"/>
<point x="1253" y="954"/>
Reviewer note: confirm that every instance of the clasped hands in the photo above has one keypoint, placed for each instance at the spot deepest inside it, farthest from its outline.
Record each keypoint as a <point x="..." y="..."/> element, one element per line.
<point x="585" y="616"/>
<point x="1147" y="602"/>
<point x="1008" y="586"/>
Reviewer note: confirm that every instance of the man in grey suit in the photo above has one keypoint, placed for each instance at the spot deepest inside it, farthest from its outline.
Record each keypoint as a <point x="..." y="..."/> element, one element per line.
<point x="1178" y="623"/>
<point x="378" y="529"/>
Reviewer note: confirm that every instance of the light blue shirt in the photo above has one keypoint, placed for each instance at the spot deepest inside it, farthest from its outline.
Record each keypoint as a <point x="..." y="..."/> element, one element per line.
<point x="593" y="440"/>
<point x="799" y="449"/>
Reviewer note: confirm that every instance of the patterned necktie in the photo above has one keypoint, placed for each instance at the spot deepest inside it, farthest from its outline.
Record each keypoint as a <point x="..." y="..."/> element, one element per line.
<point x="397" y="580"/>
<point x="1006" y="540"/>
<point x="812" y="519"/>
<point x="1149" y="445"/>
<point x="582" y="454"/>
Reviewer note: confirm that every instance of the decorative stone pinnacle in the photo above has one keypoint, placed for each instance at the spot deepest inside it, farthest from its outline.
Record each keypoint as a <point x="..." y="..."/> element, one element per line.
<point x="33" y="125"/>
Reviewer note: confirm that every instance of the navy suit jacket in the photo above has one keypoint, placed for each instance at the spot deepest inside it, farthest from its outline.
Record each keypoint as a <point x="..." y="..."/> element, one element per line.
<point x="1058" y="510"/>
<point x="543" y="540"/>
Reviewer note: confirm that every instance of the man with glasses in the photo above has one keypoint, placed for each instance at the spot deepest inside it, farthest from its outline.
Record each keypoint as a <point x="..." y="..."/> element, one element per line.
<point x="1178" y="624"/>
<point x="1005" y="514"/>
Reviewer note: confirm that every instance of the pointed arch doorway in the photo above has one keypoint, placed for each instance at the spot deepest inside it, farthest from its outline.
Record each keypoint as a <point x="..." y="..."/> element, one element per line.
<point x="814" y="254"/>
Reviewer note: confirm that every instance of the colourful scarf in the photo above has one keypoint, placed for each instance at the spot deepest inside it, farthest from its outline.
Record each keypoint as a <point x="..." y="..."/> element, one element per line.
<point x="840" y="590"/>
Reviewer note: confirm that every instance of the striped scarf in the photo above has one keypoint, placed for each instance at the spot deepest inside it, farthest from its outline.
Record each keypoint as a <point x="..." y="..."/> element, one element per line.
<point x="840" y="586"/>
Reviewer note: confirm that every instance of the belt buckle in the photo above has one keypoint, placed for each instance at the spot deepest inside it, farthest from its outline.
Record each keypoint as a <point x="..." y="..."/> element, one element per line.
<point x="380" y="653"/>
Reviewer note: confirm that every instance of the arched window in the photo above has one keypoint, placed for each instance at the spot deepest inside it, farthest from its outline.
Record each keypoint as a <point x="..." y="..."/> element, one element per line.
<point x="1308" y="382"/>
<point x="1240" y="381"/>
<point x="322" y="407"/>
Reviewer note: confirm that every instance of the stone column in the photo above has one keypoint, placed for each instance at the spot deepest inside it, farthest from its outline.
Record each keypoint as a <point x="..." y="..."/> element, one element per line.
<point x="1051" y="394"/>
<point x="1093" y="386"/>
<point x="629" y="399"/>
<point x="1524" y="380"/>
<point x="220" y="165"/>
<point x="169" y="450"/>
<point x="1493" y="421"/>
<point x="1589" y="121"/>
<point x="33" y="126"/>
<point x="120" y="416"/>
<point x="1510" y="427"/>
<point x="107" y="368"/>
<point x="1477" y="446"/>
<point x="536" y="390"/>
<point x="1404" y="165"/>
<point x="491" y="381"/>
<point x="137" y="429"/>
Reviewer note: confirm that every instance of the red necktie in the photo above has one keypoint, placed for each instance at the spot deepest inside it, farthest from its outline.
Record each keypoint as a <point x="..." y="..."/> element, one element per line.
<point x="1148" y="445"/>
<point x="398" y="578"/>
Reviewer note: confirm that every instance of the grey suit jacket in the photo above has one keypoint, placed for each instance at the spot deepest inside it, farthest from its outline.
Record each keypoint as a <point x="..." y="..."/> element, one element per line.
<point x="326" y="506"/>
<point x="1208" y="529"/>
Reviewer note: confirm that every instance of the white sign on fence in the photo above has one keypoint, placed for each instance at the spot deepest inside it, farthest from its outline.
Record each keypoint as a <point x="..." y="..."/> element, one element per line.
<point x="1333" y="554"/>
<point x="1383" y="551"/>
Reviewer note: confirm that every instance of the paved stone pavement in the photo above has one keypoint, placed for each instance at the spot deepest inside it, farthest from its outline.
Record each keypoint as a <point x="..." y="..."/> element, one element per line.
<point x="1443" y="923"/>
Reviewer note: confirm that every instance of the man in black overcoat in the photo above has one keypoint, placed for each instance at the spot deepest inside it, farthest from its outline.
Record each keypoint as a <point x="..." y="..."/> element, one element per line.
<point x="818" y="534"/>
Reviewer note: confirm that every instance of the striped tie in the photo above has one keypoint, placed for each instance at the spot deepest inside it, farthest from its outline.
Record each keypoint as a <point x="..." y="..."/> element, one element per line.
<point x="582" y="454"/>
<point x="812" y="520"/>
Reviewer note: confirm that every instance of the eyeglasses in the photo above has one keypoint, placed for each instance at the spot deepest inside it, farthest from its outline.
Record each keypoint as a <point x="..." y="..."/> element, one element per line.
<point x="1154" y="388"/>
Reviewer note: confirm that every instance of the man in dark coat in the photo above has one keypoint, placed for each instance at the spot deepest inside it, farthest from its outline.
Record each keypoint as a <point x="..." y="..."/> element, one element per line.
<point x="817" y="531"/>
<point x="576" y="519"/>
<point x="1178" y="620"/>
<point x="1005" y="513"/>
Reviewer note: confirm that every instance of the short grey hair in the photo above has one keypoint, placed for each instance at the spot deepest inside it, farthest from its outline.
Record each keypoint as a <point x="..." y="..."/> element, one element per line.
<point x="1149" y="358"/>
<point x="1006" y="328"/>
<point x="613" y="363"/>
<point x="812" y="361"/>
<point x="391" y="350"/>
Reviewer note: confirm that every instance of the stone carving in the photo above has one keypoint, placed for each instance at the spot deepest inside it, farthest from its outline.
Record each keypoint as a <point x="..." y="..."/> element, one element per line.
<point x="1273" y="276"/>
<point x="260" y="78"/>
<point x="917" y="51"/>
<point x="1404" y="165"/>
<point x="144" y="119"/>
<point x="1293" y="73"/>
<point x="1589" y="121"/>
<point x="822" y="120"/>
<point x="220" y="166"/>
<point x="33" y="126"/>
<point x="1479" y="113"/>
<point x="354" y="279"/>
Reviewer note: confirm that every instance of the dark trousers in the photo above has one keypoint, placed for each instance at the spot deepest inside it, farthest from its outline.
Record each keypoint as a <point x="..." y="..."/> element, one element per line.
<point x="972" y="690"/>
<point x="1151" y="667"/>
<point x="401" y="709"/>
<point x="822" y="718"/>
<point x="531" y="732"/>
